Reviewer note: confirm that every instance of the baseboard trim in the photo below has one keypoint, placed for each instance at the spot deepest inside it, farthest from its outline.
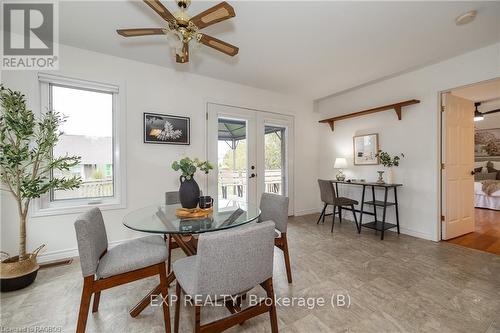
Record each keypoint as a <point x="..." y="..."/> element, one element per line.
<point x="307" y="211"/>
<point x="405" y="231"/>
<point x="69" y="253"/>
<point x="415" y="233"/>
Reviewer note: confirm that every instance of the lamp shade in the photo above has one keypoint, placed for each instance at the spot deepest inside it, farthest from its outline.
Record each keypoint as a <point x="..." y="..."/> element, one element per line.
<point x="340" y="163"/>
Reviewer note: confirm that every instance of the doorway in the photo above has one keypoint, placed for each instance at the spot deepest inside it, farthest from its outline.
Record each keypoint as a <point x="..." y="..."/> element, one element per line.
<point x="253" y="151"/>
<point x="470" y="166"/>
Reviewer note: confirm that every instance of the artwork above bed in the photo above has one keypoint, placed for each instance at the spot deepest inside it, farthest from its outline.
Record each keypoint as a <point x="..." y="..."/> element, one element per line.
<point x="487" y="145"/>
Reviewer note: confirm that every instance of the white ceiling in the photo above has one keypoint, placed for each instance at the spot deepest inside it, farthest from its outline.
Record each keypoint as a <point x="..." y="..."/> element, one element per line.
<point x="488" y="93"/>
<point x="306" y="48"/>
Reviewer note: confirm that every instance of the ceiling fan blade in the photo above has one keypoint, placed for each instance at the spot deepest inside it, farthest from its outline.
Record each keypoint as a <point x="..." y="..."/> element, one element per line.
<point x="492" y="111"/>
<point x="217" y="13"/>
<point x="219" y="45"/>
<point x="184" y="57"/>
<point x="157" y="6"/>
<point x="140" y="32"/>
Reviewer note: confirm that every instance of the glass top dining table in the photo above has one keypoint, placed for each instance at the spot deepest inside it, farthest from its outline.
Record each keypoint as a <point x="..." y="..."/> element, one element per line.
<point x="161" y="219"/>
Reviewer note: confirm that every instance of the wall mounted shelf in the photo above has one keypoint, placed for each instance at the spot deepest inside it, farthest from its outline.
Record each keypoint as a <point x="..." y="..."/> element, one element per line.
<point x="396" y="107"/>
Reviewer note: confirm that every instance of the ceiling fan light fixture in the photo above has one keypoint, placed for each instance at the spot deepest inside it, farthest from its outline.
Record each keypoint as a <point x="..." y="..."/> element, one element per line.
<point x="181" y="28"/>
<point x="182" y="17"/>
<point x="466" y="17"/>
<point x="478" y="116"/>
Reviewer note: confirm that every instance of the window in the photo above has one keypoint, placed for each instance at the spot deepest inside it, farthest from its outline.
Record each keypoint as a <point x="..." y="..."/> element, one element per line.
<point x="91" y="130"/>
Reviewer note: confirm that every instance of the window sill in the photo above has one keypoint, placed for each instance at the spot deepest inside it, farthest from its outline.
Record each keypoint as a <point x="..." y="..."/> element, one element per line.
<point x="76" y="209"/>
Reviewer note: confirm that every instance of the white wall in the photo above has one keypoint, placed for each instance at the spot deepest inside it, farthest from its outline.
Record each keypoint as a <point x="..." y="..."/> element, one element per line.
<point x="150" y="88"/>
<point x="416" y="134"/>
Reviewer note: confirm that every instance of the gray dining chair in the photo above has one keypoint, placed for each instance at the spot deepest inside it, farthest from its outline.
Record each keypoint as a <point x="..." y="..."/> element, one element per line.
<point x="274" y="207"/>
<point x="329" y="197"/>
<point x="104" y="268"/>
<point x="228" y="263"/>
<point x="171" y="198"/>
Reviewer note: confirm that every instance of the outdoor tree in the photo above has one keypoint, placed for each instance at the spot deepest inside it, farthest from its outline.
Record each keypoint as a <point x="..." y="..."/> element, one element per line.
<point x="272" y="154"/>
<point x="273" y="151"/>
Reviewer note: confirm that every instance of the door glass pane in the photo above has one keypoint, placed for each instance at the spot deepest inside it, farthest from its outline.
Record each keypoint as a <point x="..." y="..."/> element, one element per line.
<point x="232" y="160"/>
<point x="87" y="132"/>
<point x="275" y="160"/>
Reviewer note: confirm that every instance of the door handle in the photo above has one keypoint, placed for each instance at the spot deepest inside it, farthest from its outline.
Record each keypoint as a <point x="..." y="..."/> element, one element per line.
<point x="253" y="175"/>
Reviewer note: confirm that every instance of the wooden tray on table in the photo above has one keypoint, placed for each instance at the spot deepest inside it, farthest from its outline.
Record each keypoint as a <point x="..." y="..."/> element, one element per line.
<point x="186" y="213"/>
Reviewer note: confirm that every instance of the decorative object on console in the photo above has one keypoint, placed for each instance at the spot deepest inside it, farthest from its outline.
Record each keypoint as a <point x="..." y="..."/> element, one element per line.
<point x="389" y="162"/>
<point x="189" y="191"/>
<point x="380" y="179"/>
<point x="181" y="29"/>
<point x="366" y="149"/>
<point x="340" y="163"/>
<point x="162" y="128"/>
<point x="27" y="168"/>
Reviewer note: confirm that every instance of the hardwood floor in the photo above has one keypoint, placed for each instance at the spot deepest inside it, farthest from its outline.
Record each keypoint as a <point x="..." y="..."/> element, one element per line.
<point x="401" y="284"/>
<point x="486" y="237"/>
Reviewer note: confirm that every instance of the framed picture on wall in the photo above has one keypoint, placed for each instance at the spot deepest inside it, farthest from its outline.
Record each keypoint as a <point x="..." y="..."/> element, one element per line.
<point x="167" y="129"/>
<point x="366" y="149"/>
<point x="487" y="144"/>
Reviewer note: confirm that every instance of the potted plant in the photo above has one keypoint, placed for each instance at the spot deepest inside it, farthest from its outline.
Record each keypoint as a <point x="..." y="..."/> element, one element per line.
<point x="389" y="162"/>
<point x="26" y="166"/>
<point x="189" y="191"/>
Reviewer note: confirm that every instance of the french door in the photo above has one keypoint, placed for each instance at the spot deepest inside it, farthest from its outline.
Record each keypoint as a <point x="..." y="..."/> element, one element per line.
<point x="252" y="154"/>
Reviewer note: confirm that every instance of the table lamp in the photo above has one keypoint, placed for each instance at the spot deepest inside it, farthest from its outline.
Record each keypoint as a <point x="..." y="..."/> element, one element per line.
<point x="340" y="163"/>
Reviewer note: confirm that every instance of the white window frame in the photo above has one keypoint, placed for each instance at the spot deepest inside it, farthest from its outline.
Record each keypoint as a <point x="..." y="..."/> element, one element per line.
<point x="43" y="206"/>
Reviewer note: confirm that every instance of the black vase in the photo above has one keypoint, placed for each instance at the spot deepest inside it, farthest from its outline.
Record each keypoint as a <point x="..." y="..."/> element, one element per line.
<point x="189" y="192"/>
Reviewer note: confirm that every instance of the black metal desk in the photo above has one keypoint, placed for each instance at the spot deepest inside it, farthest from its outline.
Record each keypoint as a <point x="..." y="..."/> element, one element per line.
<point x="379" y="225"/>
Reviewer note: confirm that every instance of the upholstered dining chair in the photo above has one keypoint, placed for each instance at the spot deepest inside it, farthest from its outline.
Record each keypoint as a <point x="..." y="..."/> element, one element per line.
<point x="329" y="197"/>
<point x="228" y="263"/>
<point x="171" y="198"/>
<point x="104" y="268"/>
<point x="274" y="207"/>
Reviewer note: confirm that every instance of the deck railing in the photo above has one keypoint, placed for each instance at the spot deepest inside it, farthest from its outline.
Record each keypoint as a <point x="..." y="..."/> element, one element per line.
<point x="237" y="180"/>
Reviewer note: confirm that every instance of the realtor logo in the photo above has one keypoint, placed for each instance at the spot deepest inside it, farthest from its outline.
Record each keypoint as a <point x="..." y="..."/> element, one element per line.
<point x="29" y="36"/>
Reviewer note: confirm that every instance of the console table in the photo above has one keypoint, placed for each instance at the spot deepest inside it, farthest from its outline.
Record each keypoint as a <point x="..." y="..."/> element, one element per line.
<point x="379" y="225"/>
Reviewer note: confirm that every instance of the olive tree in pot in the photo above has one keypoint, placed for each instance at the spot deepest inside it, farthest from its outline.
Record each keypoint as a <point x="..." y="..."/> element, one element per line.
<point x="26" y="166"/>
<point x="189" y="191"/>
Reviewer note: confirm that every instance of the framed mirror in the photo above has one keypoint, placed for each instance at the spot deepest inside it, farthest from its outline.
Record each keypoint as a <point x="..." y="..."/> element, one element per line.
<point x="366" y="149"/>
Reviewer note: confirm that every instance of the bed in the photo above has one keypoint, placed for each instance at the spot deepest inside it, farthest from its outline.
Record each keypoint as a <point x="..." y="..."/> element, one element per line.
<point x="483" y="200"/>
<point x="489" y="172"/>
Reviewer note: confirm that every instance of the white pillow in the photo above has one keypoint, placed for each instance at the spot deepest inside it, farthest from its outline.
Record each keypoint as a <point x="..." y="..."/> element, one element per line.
<point x="479" y="164"/>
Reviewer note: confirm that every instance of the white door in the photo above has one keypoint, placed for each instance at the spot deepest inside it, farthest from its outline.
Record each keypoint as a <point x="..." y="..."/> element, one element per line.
<point x="458" y="159"/>
<point x="231" y="148"/>
<point x="252" y="152"/>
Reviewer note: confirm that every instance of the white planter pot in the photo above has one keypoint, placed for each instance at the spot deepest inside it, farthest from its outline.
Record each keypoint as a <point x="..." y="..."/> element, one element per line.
<point x="390" y="176"/>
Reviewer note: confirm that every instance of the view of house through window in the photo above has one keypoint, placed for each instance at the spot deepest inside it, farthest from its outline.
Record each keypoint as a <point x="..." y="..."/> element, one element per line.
<point x="87" y="132"/>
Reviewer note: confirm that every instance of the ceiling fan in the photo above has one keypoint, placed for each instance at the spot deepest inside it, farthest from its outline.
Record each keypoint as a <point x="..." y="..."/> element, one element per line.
<point x="181" y="28"/>
<point x="480" y="115"/>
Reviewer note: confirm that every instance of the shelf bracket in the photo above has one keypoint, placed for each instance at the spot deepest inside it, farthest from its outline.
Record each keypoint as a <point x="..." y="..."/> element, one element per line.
<point x="398" y="111"/>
